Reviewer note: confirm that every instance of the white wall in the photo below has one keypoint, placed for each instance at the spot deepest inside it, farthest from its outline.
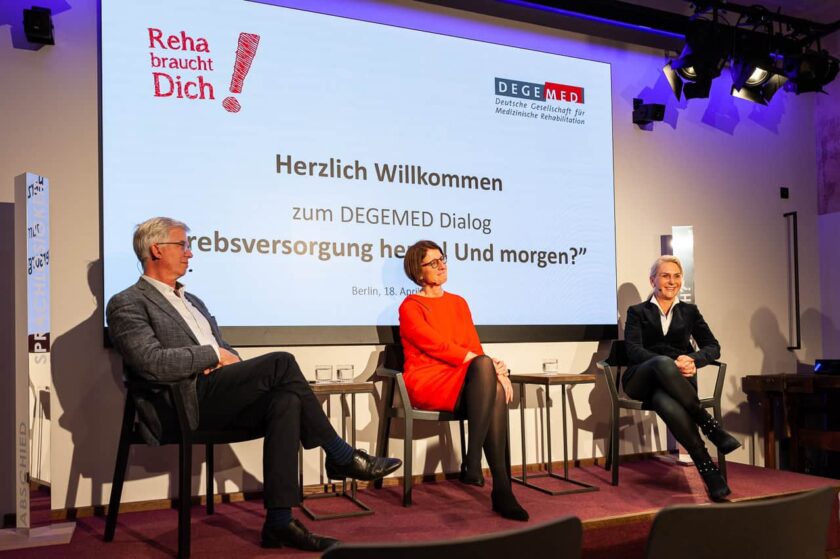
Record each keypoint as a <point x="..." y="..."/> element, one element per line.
<point x="715" y="165"/>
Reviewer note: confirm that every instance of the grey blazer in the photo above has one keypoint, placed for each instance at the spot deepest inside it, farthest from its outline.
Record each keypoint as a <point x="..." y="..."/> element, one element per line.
<point x="157" y="346"/>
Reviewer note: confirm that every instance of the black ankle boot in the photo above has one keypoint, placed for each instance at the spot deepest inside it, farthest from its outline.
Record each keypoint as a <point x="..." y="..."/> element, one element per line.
<point x="506" y="505"/>
<point x="716" y="485"/>
<point x="725" y="442"/>
<point x="470" y="479"/>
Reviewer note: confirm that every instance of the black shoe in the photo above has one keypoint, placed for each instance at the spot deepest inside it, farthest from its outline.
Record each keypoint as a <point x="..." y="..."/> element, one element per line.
<point x="725" y="442"/>
<point x="294" y="534"/>
<point x="716" y="485"/>
<point x="470" y="479"/>
<point x="363" y="466"/>
<point x="506" y="505"/>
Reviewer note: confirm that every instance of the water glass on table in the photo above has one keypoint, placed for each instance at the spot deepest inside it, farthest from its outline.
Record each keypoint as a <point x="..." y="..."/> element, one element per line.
<point x="323" y="374"/>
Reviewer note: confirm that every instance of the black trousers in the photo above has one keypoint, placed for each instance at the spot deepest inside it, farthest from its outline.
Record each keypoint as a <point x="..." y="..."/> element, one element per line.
<point x="269" y="393"/>
<point x="659" y="383"/>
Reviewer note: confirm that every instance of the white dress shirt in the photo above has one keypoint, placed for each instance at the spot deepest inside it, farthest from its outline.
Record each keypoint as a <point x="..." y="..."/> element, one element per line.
<point x="664" y="317"/>
<point x="199" y="325"/>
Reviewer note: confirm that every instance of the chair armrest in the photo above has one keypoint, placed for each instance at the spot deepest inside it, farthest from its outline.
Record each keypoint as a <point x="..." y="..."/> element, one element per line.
<point x="146" y="384"/>
<point x="721" y="378"/>
<point x="386" y="372"/>
<point x="176" y="394"/>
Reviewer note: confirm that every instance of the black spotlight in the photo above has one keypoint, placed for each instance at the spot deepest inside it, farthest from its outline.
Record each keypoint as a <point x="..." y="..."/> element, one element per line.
<point x="809" y="71"/>
<point x="755" y="77"/>
<point x="647" y="113"/>
<point x="38" y="26"/>
<point x="751" y="71"/>
<point x="688" y="81"/>
<point x="760" y="92"/>
<point x="701" y="60"/>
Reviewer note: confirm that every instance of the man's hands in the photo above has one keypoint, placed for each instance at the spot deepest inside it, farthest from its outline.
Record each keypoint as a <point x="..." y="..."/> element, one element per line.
<point x="225" y="358"/>
<point x="686" y="366"/>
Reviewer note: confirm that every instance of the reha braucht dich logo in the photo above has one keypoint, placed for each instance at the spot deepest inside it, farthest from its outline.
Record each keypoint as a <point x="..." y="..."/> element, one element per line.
<point x="544" y="101"/>
<point x="182" y="63"/>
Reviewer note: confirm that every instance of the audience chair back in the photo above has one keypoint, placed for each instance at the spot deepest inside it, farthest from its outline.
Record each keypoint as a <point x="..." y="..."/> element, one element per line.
<point x="391" y="374"/>
<point x="557" y="539"/>
<point x="184" y="437"/>
<point x="613" y="367"/>
<point x="777" y="528"/>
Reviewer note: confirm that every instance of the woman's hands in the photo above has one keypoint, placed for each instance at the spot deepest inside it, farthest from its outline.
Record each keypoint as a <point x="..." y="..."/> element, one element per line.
<point x="686" y="366"/>
<point x="502" y="375"/>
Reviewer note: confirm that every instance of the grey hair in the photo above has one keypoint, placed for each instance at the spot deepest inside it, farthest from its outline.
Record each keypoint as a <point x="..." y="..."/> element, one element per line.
<point x="662" y="260"/>
<point x="151" y="231"/>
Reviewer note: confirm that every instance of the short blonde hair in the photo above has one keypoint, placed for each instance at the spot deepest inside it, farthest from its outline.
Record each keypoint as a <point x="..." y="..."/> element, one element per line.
<point x="662" y="260"/>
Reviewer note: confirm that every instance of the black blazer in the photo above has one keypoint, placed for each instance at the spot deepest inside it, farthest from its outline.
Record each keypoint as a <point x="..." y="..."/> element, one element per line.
<point x="644" y="339"/>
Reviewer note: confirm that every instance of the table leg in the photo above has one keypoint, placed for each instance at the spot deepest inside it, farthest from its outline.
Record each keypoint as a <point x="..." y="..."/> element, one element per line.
<point x="766" y="403"/>
<point x="522" y="388"/>
<point x="565" y="444"/>
<point x="548" y="428"/>
<point x="351" y="495"/>
<point x="581" y="487"/>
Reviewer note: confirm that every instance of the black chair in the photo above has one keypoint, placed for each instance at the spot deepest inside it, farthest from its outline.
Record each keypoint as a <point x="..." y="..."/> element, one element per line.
<point x="391" y="375"/>
<point x="184" y="438"/>
<point x="558" y="539"/>
<point x="613" y="368"/>
<point x="781" y="527"/>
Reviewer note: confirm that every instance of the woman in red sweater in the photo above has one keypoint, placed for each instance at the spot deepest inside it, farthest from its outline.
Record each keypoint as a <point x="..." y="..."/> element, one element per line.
<point x="446" y="369"/>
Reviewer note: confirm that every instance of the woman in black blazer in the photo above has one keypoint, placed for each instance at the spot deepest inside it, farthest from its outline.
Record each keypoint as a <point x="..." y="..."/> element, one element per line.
<point x="663" y="368"/>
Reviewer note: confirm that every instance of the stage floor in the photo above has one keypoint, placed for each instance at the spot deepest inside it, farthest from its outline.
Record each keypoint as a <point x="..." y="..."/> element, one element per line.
<point x="616" y="520"/>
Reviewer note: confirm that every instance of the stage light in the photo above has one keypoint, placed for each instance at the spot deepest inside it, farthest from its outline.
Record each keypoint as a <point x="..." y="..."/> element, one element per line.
<point x="809" y="71"/>
<point x="752" y="73"/>
<point x="701" y="60"/>
<point x="687" y="81"/>
<point x="755" y="77"/>
<point x="760" y="93"/>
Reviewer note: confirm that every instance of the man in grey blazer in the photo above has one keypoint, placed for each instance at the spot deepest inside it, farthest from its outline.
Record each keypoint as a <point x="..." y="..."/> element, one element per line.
<point x="166" y="335"/>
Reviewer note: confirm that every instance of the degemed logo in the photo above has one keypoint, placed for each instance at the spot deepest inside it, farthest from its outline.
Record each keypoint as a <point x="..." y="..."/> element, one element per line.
<point x="545" y="92"/>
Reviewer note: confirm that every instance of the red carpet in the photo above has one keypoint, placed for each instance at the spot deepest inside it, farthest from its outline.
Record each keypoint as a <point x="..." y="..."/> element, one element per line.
<point x="616" y="519"/>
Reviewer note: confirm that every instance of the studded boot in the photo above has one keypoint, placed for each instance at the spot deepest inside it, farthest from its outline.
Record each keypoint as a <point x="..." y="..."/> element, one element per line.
<point x="716" y="485"/>
<point x="725" y="442"/>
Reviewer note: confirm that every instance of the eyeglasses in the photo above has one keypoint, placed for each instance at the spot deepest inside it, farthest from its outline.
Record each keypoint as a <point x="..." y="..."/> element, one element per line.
<point x="435" y="264"/>
<point x="185" y="245"/>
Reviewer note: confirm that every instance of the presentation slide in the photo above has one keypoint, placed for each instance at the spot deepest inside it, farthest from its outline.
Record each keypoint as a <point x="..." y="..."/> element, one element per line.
<point x="306" y="152"/>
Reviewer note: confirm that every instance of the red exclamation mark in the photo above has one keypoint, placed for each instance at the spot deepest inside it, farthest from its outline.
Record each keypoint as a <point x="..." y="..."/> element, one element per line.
<point x="245" y="53"/>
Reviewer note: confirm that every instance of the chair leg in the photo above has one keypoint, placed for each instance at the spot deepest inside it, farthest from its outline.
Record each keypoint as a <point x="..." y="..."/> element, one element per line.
<point x="184" y="498"/>
<point x="464" y="443"/>
<point x="407" y="466"/>
<point x="119" y="471"/>
<point x="721" y="456"/>
<point x="614" y="447"/>
<point x="382" y="441"/>
<point x="210" y="472"/>
<point x="119" y="478"/>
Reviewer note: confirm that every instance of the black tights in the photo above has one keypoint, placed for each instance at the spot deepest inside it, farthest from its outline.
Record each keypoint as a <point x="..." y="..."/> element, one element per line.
<point x="659" y="382"/>
<point x="482" y="403"/>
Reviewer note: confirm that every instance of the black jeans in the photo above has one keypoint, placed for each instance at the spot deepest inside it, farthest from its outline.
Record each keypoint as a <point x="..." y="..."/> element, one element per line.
<point x="267" y="393"/>
<point x="659" y="383"/>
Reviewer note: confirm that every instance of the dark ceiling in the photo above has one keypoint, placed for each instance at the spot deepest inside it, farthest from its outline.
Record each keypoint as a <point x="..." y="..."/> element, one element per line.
<point x="644" y="15"/>
<point x="820" y="11"/>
